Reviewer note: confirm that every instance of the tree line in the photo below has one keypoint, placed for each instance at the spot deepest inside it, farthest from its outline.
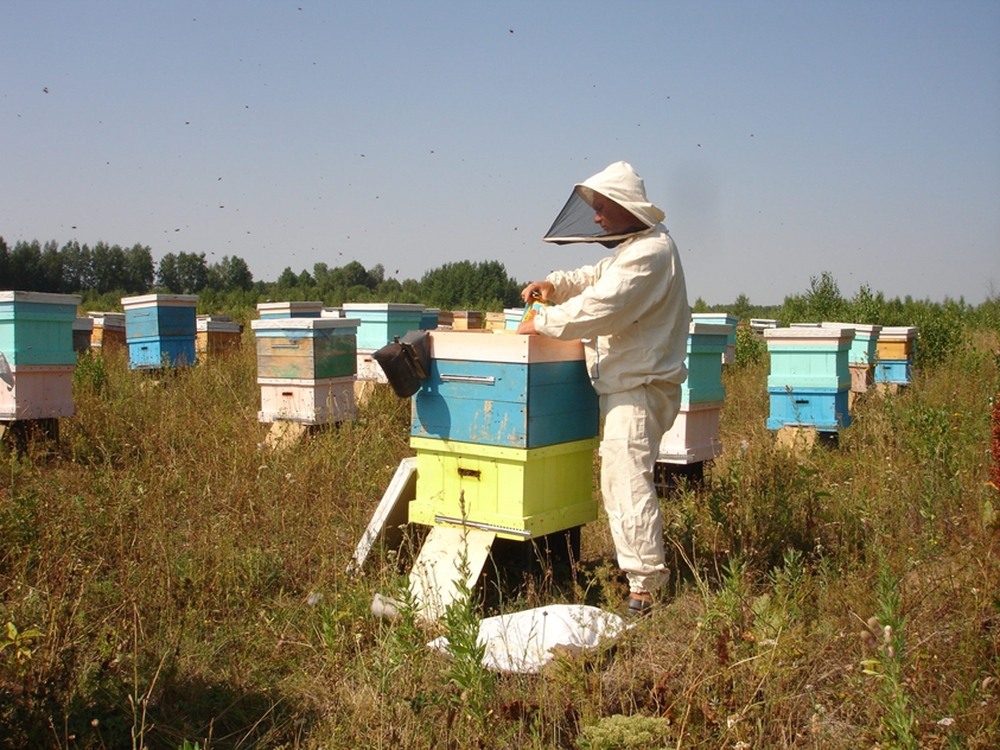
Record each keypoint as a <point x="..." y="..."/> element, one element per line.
<point x="103" y="271"/>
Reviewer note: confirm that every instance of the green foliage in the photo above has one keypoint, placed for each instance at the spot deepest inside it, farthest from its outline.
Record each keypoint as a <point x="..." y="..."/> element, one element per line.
<point x="620" y="732"/>
<point x="17" y="644"/>
<point x="470" y="286"/>
<point x="750" y="348"/>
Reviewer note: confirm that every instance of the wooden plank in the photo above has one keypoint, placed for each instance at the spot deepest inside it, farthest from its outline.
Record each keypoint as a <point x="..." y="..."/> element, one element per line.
<point x="390" y="514"/>
<point x="437" y="573"/>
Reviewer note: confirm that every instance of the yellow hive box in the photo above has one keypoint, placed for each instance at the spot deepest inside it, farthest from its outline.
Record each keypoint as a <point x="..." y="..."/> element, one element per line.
<point x="467" y="320"/>
<point x="519" y="493"/>
<point x="896" y="343"/>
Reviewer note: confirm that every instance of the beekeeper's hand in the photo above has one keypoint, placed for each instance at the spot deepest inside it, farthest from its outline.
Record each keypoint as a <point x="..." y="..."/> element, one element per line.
<point x="537" y="290"/>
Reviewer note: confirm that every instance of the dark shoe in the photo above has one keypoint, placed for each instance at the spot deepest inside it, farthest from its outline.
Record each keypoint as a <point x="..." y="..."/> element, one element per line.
<point x="637" y="607"/>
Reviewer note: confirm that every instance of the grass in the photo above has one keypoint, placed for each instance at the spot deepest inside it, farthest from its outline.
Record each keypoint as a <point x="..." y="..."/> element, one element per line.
<point x="165" y="582"/>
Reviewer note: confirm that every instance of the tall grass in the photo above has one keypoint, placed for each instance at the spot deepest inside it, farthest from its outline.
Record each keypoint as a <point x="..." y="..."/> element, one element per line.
<point x="168" y="581"/>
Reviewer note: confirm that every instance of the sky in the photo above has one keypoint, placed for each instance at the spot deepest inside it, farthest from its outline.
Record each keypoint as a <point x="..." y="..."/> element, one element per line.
<point x="782" y="139"/>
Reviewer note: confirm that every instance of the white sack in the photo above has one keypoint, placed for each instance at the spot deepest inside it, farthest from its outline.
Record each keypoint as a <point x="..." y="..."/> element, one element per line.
<point x="524" y="642"/>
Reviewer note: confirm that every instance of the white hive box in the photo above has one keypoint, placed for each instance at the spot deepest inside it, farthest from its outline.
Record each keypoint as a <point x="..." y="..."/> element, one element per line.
<point x="694" y="436"/>
<point x="311" y="402"/>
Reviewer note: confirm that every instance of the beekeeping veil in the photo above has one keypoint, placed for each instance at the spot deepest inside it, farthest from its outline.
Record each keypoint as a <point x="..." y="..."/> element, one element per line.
<point x="619" y="183"/>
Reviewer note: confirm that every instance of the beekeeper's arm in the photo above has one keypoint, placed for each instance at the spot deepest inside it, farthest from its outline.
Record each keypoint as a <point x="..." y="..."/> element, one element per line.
<point x="621" y="292"/>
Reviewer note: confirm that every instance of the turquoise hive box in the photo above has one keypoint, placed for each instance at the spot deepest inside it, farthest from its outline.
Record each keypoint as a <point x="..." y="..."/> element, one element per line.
<point x="810" y="378"/>
<point x="161" y="330"/>
<point x="36" y="328"/>
<point x="429" y="319"/>
<point x="706" y="344"/>
<point x="37" y="358"/>
<point x="729" y="354"/>
<point x="382" y="321"/>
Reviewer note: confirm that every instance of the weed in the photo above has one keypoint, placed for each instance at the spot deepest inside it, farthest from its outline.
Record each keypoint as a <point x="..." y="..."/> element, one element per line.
<point x="884" y="634"/>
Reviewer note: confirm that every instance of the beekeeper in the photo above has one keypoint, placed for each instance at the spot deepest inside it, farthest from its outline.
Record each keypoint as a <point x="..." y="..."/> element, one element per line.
<point x="631" y="310"/>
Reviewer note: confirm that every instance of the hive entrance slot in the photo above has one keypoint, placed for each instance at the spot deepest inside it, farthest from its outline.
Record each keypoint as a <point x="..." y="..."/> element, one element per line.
<point x="473" y="473"/>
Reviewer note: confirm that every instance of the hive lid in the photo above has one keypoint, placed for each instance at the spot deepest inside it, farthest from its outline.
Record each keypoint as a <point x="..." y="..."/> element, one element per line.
<point x="384" y="306"/>
<point x="46" y="298"/>
<point x="179" y="300"/>
<point x="281" y="324"/>
<point x="476" y="347"/>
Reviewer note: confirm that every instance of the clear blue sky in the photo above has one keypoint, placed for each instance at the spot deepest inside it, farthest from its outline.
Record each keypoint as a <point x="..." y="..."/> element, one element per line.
<point x="782" y="139"/>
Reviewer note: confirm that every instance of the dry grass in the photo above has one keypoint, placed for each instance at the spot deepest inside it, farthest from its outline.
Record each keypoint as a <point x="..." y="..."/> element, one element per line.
<point x="169" y="582"/>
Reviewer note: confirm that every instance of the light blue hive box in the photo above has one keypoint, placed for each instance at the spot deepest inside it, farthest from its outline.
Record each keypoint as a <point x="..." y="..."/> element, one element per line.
<point x="810" y="379"/>
<point x="380" y="323"/>
<point x="161" y="330"/>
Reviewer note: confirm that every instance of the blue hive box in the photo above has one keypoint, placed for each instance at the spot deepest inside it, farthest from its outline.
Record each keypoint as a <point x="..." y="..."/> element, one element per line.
<point x="825" y="409"/>
<point x="893" y="371"/>
<point x="161" y="330"/>
<point x="429" y="319"/>
<point x="810" y="378"/>
<point x="36" y="328"/>
<point x="381" y="321"/>
<point x="505" y="390"/>
<point x="163" y="351"/>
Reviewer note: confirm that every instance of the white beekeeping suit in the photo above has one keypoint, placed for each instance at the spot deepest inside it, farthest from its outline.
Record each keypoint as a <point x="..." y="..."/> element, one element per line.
<point x="631" y="310"/>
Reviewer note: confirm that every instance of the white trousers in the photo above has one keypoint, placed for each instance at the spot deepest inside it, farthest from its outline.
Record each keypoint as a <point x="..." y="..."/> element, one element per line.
<point x="634" y="423"/>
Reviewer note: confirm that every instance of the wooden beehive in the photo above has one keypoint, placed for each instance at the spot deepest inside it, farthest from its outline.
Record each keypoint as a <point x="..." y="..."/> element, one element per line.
<point x="307" y="401"/>
<point x="36" y="328"/>
<point x="694" y="436"/>
<point x="217" y="334"/>
<point x="160" y="330"/>
<point x="495" y="321"/>
<point x="36" y="392"/>
<point x="430" y="318"/>
<point x="810" y="378"/>
<point x="706" y="346"/>
<point x="897" y="343"/>
<point x="306" y="348"/>
<point x="466" y="320"/>
<point x="109" y="330"/>
<point x="862" y="354"/>
<point x="83" y="330"/>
